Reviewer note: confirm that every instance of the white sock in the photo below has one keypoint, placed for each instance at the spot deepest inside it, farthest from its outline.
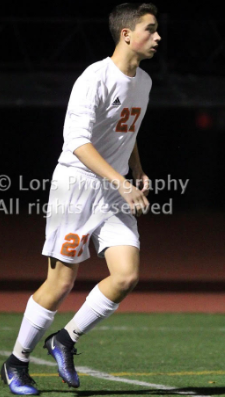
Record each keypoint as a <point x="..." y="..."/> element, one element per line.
<point x="95" y="309"/>
<point x="36" y="321"/>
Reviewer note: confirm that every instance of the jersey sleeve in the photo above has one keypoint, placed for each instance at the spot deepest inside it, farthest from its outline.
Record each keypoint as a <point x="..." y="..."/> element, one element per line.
<point x="81" y="112"/>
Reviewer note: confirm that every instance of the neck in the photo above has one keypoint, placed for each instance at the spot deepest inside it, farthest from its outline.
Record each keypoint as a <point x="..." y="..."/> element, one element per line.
<point x="126" y="62"/>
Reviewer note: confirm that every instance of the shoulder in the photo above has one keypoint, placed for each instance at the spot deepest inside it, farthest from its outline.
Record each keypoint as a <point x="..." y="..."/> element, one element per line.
<point x="88" y="85"/>
<point x="96" y="71"/>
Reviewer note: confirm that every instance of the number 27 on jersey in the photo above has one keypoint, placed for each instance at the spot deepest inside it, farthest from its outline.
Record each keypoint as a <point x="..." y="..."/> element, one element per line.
<point x="128" y="116"/>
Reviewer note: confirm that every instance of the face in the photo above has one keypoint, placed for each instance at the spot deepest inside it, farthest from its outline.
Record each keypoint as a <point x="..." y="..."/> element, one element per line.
<point x="144" y="39"/>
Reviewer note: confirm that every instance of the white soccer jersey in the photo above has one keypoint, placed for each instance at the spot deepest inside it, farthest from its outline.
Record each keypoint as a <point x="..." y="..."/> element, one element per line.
<point x="106" y="108"/>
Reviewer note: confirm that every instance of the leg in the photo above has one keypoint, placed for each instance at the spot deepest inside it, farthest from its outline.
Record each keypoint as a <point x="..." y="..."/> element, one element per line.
<point x="38" y="317"/>
<point x="60" y="280"/>
<point x="42" y="306"/>
<point x="103" y="300"/>
<point x="123" y="265"/>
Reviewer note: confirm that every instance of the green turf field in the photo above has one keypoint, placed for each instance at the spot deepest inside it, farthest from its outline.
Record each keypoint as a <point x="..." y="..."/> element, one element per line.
<point x="134" y="355"/>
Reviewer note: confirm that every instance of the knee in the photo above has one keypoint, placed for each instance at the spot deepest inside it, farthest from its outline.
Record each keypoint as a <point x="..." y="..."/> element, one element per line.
<point x="66" y="285"/>
<point x="61" y="276"/>
<point x="127" y="283"/>
<point x="61" y="285"/>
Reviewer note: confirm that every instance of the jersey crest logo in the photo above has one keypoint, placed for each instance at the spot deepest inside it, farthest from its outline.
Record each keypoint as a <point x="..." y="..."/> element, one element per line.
<point x="116" y="102"/>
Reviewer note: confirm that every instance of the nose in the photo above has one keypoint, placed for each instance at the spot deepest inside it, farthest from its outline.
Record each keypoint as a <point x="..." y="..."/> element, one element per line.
<point x="158" y="37"/>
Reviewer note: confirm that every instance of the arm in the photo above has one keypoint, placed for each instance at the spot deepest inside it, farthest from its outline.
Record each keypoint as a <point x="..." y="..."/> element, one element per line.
<point x="141" y="179"/>
<point x="90" y="157"/>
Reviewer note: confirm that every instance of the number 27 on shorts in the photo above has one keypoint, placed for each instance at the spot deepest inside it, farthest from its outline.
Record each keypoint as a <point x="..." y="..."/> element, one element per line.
<point x="72" y="242"/>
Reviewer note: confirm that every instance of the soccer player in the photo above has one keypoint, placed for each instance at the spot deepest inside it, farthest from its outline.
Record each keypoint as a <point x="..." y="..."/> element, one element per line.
<point x="91" y="198"/>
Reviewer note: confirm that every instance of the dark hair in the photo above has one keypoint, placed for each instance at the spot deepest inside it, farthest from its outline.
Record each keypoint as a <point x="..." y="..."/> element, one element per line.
<point x="127" y="15"/>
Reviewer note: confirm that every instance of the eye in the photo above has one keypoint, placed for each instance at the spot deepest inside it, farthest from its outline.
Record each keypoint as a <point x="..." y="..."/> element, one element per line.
<point x="151" y="30"/>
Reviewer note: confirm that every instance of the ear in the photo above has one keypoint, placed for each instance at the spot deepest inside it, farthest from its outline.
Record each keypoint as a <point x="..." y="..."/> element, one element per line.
<point x="125" y="35"/>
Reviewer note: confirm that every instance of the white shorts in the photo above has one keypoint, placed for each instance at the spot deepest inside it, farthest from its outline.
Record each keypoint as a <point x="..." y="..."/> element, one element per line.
<point x="82" y="206"/>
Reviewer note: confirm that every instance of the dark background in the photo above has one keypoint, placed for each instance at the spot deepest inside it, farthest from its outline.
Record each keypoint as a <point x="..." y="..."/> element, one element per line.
<point x="98" y="8"/>
<point x="46" y="45"/>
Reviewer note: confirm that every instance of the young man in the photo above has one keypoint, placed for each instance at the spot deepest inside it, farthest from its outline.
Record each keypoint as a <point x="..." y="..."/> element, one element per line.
<point x="90" y="196"/>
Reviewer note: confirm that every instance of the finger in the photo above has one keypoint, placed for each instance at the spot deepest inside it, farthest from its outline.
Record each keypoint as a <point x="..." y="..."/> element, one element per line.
<point x="145" y="191"/>
<point x="141" y="200"/>
<point x="141" y="207"/>
<point x="132" y="208"/>
<point x="145" y="205"/>
<point x="138" y="211"/>
<point x="138" y="183"/>
<point x="146" y="187"/>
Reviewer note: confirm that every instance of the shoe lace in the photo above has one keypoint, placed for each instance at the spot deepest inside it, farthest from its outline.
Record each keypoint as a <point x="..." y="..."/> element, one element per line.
<point x="69" y="357"/>
<point x="74" y="352"/>
<point x="24" y="376"/>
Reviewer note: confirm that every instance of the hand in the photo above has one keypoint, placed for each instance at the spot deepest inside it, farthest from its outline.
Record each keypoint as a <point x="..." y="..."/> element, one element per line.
<point x="142" y="181"/>
<point x="136" y="199"/>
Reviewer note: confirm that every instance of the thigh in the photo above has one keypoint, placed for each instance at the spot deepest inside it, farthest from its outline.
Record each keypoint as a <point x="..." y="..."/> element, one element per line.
<point x="118" y="230"/>
<point x="61" y="272"/>
<point x="123" y="261"/>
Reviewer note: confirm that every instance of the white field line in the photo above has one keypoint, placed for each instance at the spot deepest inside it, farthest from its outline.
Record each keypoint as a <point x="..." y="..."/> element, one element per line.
<point x="6" y="329"/>
<point x="144" y="328"/>
<point x="104" y="375"/>
<point x="160" y="329"/>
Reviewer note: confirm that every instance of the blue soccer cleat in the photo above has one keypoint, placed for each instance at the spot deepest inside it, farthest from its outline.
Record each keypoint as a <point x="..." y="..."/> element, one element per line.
<point x="18" y="380"/>
<point x="64" y="358"/>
